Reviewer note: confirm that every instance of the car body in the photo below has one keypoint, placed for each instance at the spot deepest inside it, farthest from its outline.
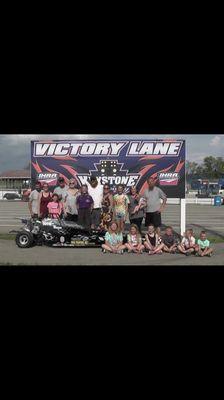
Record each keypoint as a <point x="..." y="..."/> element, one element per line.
<point x="57" y="233"/>
<point x="11" y="196"/>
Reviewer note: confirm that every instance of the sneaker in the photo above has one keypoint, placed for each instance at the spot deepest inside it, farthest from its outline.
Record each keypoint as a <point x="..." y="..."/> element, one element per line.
<point x="188" y="254"/>
<point x="210" y="255"/>
<point x="104" y="251"/>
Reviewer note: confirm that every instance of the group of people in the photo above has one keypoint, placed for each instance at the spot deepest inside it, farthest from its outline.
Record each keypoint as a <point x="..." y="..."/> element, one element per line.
<point x="95" y="206"/>
<point x="153" y="243"/>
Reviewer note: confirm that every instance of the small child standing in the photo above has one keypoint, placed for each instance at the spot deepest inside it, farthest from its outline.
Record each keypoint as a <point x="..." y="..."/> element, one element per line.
<point x="84" y="204"/>
<point x="188" y="244"/>
<point x="120" y="203"/>
<point x="203" y="246"/>
<point x="134" y="240"/>
<point x="170" y="244"/>
<point x="55" y="207"/>
<point x="153" y="242"/>
<point x="113" y="240"/>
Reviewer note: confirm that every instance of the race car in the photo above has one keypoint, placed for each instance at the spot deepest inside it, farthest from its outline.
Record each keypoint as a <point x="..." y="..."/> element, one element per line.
<point x="57" y="233"/>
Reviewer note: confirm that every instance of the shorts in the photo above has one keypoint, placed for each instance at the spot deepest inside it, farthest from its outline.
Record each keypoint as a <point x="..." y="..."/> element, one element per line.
<point x="119" y="216"/>
<point x="154" y="219"/>
<point x="138" y="222"/>
<point x="96" y="217"/>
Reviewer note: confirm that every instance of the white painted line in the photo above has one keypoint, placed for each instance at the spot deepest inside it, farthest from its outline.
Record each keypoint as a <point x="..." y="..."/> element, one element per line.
<point x="14" y="226"/>
<point x="11" y="219"/>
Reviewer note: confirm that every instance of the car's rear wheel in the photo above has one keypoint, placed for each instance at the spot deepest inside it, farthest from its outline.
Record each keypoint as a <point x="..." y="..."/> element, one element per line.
<point x="24" y="240"/>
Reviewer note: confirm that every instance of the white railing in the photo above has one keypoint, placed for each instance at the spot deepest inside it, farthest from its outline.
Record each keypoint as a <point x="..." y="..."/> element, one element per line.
<point x="195" y="200"/>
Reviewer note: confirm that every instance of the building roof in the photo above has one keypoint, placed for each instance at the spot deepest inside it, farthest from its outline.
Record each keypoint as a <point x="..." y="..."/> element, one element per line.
<point x="16" y="174"/>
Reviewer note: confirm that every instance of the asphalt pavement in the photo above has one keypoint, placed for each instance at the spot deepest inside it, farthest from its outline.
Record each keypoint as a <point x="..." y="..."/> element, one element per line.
<point x="12" y="255"/>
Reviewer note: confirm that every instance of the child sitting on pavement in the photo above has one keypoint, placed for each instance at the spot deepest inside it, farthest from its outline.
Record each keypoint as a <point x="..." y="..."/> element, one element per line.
<point x="153" y="242"/>
<point x="169" y="240"/>
<point x="188" y="243"/>
<point x="113" y="240"/>
<point x="203" y="246"/>
<point x="134" y="240"/>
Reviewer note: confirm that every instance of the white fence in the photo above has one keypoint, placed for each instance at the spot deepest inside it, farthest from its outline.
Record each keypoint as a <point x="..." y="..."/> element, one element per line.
<point x="189" y="200"/>
<point x="209" y="201"/>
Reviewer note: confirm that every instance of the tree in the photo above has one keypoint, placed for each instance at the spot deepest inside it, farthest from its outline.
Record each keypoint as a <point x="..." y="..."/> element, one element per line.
<point x="213" y="167"/>
<point x="191" y="168"/>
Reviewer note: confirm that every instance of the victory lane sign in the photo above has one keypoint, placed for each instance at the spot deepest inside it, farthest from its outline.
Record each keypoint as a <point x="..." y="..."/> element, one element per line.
<point x="114" y="162"/>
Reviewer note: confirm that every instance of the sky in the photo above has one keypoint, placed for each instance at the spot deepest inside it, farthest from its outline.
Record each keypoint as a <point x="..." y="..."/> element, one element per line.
<point x="15" y="149"/>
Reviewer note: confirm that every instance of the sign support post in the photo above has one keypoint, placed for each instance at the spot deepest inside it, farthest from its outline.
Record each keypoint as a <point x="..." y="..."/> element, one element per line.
<point x="182" y="216"/>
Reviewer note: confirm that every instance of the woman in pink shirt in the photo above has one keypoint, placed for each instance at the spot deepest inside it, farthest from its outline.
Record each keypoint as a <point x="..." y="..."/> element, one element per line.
<point x="55" y="207"/>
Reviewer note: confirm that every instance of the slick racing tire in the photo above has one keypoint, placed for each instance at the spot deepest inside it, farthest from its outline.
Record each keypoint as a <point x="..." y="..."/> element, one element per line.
<point x="24" y="240"/>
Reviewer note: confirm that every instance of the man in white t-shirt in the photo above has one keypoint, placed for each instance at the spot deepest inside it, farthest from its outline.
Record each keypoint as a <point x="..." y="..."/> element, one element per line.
<point x="95" y="190"/>
<point x="62" y="189"/>
<point x="33" y="204"/>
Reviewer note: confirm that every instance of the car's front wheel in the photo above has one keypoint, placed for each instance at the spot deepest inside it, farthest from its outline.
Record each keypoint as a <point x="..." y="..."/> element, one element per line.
<point x="24" y="240"/>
